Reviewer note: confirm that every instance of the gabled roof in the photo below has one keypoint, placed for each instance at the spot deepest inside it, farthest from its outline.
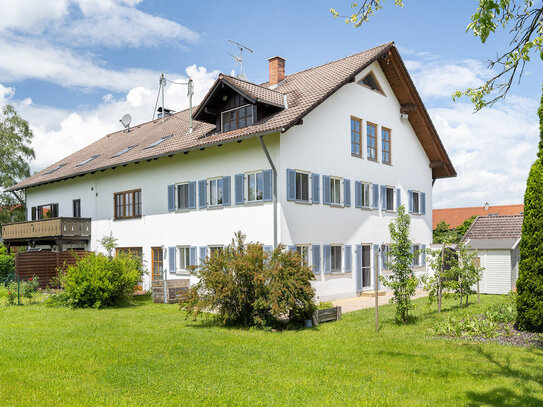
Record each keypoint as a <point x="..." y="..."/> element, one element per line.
<point x="456" y="216"/>
<point x="495" y="228"/>
<point x="304" y="91"/>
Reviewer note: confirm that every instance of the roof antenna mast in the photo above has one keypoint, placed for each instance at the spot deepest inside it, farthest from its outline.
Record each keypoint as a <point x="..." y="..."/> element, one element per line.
<point x="239" y="59"/>
<point x="161" y="89"/>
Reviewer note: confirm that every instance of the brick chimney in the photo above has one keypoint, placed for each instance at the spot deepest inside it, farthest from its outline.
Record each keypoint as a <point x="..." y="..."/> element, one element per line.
<point x="277" y="70"/>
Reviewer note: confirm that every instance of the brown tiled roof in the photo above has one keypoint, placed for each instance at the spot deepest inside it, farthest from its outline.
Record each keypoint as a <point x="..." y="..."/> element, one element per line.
<point x="456" y="216"/>
<point x="495" y="227"/>
<point x="256" y="92"/>
<point x="305" y="90"/>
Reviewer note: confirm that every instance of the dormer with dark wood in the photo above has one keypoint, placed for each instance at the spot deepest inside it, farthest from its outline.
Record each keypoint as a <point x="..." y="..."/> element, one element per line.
<point x="232" y="103"/>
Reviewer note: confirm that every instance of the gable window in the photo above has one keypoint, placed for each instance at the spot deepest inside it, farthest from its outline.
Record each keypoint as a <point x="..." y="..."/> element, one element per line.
<point x="389" y="198"/>
<point x="371" y="82"/>
<point x="237" y="118"/>
<point x="385" y="145"/>
<point x="255" y="187"/>
<point x="184" y="258"/>
<point x="183" y="196"/>
<point x="76" y="204"/>
<point x="371" y="130"/>
<point x="127" y="204"/>
<point x="335" y="254"/>
<point x="215" y="191"/>
<point x="303" y="251"/>
<point x="302" y="186"/>
<point x="356" y="137"/>
<point x="335" y="191"/>
<point x="45" y="211"/>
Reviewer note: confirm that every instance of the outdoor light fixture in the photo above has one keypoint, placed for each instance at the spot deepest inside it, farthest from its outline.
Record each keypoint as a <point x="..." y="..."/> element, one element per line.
<point x="404" y="116"/>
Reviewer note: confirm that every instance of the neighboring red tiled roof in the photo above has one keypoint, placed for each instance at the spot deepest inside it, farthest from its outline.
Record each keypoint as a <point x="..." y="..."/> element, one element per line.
<point x="495" y="227"/>
<point x="456" y="216"/>
<point x="304" y="91"/>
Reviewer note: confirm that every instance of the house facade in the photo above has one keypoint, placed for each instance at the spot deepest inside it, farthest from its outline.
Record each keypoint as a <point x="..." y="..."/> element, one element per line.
<point x="318" y="160"/>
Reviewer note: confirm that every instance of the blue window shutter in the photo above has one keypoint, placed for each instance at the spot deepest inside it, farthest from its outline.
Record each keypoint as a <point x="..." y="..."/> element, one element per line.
<point x="171" y="258"/>
<point x="327" y="259"/>
<point x="398" y="198"/>
<point x="315" y="195"/>
<point x="268" y="248"/>
<point x="422" y="203"/>
<point x="326" y="189"/>
<point x="226" y="195"/>
<point x="383" y="197"/>
<point x="268" y="185"/>
<point x="291" y="248"/>
<point x="358" y="254"/>
<point x="192" y="195"/>
<point x="347" y="192"/>
<point x="376" y="263"/>
<point x="203" y="254"/>
<point x="423" y="257"/>
<point x="348" y="258"/>
<point x="192" y="255"/>
<point x="316" y="252"/>
<point x="291" y="185"/>
<point x="375" y="196"/>
<point x="202" y="193"/>
<point x="238" y="181"/>
<point x="358" y="194"/>
<point x="171" y="198"/>
<point x="410" y="201"/>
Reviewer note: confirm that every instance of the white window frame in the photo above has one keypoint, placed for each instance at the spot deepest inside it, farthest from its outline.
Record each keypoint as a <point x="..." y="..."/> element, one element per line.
<point x="183" y="251"/>
<point x="177" y="208"/>
<point x="247" y="177"/>
<point x="236" y="108"/>
<point x="416" y="254"/>
<point x="210" y="182"/>
<point x="339" y="182"/>
<point x="332" y="246"/>
<point x="418" y="202"/>
<point x="300" y="248"/>
<point x="309" y="186"/>
<point x="385" y="248"/>
<point x="368" y="186"/>
<point x="387" y="187"/>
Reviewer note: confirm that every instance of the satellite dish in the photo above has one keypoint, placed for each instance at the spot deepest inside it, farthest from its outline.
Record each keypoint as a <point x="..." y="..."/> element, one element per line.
<point x="126" y="121"/>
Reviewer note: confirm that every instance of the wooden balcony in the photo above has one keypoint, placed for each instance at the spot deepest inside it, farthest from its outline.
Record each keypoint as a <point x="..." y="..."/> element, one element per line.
<point x="66" y="229"/>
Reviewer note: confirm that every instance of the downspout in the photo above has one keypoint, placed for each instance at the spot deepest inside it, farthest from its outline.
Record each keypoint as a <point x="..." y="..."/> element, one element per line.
<point x="274" y="192"/>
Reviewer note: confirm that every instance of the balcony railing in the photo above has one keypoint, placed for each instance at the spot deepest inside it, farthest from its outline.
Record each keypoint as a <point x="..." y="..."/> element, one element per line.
<point x="48" y="228"/>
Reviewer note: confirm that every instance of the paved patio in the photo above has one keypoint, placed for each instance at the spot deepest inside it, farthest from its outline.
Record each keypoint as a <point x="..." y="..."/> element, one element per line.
<point x="357" y="303"/>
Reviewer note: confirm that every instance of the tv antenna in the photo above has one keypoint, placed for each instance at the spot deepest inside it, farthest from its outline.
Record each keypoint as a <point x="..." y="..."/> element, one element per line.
<point x="126" y="122"/>
<point x="239" y="59"/>
<point x="161" y="87"/>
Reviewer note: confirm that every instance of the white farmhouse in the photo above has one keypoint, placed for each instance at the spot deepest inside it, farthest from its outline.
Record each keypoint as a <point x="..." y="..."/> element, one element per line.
<point x="318" y="160"/>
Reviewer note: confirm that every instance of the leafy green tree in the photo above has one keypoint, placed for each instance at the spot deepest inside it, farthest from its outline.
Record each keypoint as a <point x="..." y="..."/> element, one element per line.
<point x="461" y="230"/>
<point x="442" y="232"/>
<point x="108" y="242"/>
<point x="530" y="279"/>
<point x="522" y="18"/>
<point x="402" y="280"/>
<point x="440" y="261"/>
<point x="463" y="274"/>
<point x="15" y="156"/>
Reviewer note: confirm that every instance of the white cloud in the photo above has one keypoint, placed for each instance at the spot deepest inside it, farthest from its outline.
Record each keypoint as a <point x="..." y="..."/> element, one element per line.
<point x="58" y="133"/>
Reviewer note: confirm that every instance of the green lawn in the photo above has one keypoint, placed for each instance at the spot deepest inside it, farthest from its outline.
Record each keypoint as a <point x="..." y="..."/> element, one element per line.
<point x="148" y="354"/>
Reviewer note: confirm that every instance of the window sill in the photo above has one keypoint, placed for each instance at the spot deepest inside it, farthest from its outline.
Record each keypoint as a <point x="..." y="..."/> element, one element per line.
<point x="250" y="203"/>
<point x="215" y="206"/>
<point x="357" y="156"/>
<point x="132" y="218"/>
<point x="303" y="202"/>
<point x="183" y="210"/>
<point x="372" y="161"/>
<point x="183" y="273"/>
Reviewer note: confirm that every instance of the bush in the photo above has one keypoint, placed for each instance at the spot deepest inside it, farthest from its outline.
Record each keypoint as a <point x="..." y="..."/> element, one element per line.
<point x="530" y="279"/>
<point x="249" y="286"/>
<point x="99" y="281"/>
<point x="7" y="264"/>
<point x="29" y="288"/>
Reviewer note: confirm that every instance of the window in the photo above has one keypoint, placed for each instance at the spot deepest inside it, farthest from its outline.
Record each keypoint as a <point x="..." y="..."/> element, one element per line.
<point x="255" y="187"/>
<point x="156" y="143"/>
<point x="389" y="198"/>
<point x="416" y="202"/>
<point x="58" y="167"/>
<point x="237" y="118"/>
<point x="335" y="252"/>
<point x="76" y="204"/>
<point x="215" y="249"/>
<point x="183" y="196"/>
<point x="130" y="251"/>
<point x="184" y="258"/>
<point x="45" y="212"/>
<point x="371" y="82"/>
<point x="124" y="150"/>
<point x="302" y="186"/>
<point x="335" y="191"/>
<point x="157" y="265"/>
<point x="365" y="194"/>
<point x="385" y="142"/>
<point x="366" y="266"/>
<point x="384" y="256"/>
<point x="127" y="204"/>
<point x="303" y="251"/>
<point x="416" y="255"/>
<point x="215" y="192"/>
<point x="356" y="137"/>
<point x="87" y="160"/>
<point x="372" y="141"/>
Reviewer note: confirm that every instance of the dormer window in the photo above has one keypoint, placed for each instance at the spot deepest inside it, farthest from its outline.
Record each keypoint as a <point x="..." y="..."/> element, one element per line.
<point x="237" y="118"/>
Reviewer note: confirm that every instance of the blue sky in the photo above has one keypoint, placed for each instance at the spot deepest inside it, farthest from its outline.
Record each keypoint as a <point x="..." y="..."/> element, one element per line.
<point x="73" y="67"/>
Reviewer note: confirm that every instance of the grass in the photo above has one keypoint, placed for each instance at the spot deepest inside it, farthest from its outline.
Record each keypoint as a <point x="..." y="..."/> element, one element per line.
<point x="148" y="354"/>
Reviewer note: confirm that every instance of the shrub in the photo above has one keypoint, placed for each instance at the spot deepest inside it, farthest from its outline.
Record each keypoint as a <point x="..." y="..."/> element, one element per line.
<point x="29" y="288"/>
<point x="530" y="279"/>
<point x="7" y="264"/>
<point x="246" y="285"/>
<point x="99" y="281"/>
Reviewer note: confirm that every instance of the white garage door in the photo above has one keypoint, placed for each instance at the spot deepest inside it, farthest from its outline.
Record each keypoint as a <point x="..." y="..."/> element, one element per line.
<point x="497" y="273"/>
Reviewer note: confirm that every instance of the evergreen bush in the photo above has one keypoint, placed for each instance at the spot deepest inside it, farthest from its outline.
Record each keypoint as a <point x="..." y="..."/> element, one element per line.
<point x="7" y="264"/>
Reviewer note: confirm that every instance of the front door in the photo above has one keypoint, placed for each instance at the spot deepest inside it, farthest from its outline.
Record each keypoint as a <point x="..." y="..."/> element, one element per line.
<point x="157" y="266"/>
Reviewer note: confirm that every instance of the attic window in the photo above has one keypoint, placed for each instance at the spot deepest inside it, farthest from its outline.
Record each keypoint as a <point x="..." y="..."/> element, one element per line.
<point x="124" y="150"/>
<point x="371" y="82"/>
<point x="237" y="118"/>
<point x="58" y="167"/>
<point x="156" y="143"/>
<point x="87" y="160"/>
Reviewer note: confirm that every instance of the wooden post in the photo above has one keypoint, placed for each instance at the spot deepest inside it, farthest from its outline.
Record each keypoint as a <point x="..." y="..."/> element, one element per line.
<point x="376" y="284"/>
